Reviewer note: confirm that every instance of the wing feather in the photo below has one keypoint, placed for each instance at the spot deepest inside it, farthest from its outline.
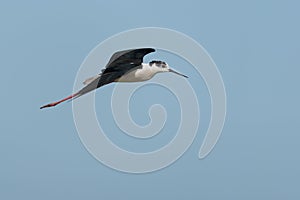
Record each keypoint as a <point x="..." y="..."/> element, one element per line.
<point x="119" y="64"/>
<point x="129" y="56"/>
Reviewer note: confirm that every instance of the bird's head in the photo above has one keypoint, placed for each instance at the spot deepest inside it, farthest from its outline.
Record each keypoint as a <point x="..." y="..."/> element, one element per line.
<point x="161" y="66"/>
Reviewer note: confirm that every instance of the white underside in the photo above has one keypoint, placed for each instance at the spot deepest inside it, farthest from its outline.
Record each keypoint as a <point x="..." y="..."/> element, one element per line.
<point x="137" y="75"/>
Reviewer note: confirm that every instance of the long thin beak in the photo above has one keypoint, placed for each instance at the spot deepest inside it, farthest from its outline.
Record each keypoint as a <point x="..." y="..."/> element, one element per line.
<point x="171" y="70"/>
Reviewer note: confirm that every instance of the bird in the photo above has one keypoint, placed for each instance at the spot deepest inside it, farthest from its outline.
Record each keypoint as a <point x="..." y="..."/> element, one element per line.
<point x="123" y="66"/>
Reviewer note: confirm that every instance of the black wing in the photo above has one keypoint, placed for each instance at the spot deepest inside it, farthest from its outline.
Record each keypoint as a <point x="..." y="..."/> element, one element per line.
<point x="119" y="64"/>
<point x="128" y="56"/>
<point x="122" y="62"/>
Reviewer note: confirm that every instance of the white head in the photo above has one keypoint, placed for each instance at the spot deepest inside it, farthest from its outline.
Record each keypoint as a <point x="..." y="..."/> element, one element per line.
<point x="161" y="66"/>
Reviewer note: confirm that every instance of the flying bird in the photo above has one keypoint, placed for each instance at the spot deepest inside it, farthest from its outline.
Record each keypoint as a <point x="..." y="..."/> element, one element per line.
<point x="123" y="66"/>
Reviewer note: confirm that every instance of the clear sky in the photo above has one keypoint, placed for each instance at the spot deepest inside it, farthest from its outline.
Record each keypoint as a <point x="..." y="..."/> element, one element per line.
<point x="256" y="46"/>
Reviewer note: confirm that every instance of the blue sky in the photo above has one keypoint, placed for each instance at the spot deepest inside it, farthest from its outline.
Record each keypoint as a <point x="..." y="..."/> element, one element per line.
<point x="255" y="44"/>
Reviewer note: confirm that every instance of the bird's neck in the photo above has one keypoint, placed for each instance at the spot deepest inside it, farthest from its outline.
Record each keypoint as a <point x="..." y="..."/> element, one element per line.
<point x="148" y="67"/>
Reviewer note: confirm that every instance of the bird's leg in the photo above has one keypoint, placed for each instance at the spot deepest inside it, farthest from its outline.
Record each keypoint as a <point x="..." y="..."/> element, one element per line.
<point x="58" y="102"/>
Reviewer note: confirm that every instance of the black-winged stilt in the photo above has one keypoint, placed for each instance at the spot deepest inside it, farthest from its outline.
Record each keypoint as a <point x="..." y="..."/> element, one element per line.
<point x="123" y="66"/>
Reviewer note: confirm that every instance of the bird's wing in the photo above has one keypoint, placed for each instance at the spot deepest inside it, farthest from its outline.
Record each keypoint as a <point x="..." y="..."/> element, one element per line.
<point x="122" y="62"/>
<point x="119" y="64"/>
<point x="128" y="56"/>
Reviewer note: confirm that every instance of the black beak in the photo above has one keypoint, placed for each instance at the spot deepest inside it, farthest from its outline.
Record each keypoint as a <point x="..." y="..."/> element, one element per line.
<point x="171" y="70"/>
